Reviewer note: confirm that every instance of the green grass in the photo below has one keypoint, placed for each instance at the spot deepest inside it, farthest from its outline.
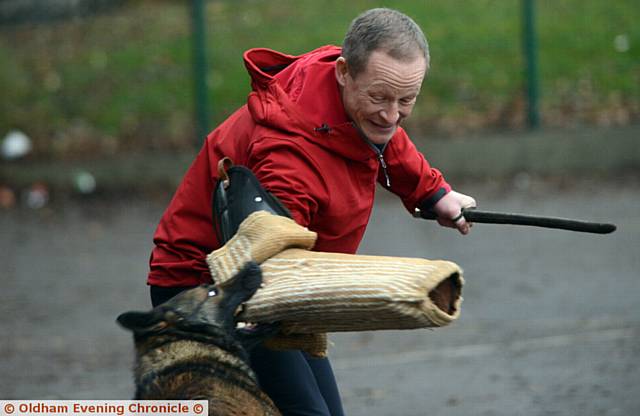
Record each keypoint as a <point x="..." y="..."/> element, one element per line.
<point x="128" y="74"/>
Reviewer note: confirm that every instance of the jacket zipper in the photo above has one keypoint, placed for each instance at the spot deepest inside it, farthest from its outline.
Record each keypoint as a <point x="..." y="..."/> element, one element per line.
<point x="380" y="155"/>
<point x="383" y="163"/>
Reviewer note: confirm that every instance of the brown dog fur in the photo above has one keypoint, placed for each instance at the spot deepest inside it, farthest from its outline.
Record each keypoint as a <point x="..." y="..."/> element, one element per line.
<point x="186" y="349"/>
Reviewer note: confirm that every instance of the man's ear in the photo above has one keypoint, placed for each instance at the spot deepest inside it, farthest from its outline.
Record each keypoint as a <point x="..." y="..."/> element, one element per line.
<point x="342" y="71"/>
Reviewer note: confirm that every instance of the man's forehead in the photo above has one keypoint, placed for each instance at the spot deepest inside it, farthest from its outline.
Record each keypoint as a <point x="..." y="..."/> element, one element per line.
<point x="384" y="71"/>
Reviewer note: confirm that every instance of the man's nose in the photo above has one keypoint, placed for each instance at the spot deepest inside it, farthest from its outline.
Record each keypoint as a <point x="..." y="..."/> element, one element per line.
<point x="391" y="114"/>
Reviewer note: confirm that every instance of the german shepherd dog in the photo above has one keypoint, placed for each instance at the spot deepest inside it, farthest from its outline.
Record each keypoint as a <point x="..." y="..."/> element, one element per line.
<point x="188" y="348"/>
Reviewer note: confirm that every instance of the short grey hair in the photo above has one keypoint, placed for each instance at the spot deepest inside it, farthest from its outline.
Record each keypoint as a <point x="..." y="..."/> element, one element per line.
<point x="384" y="30"/>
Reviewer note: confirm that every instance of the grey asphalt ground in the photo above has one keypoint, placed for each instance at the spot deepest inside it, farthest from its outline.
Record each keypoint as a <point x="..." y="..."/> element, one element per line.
<point x="550" y="323"/>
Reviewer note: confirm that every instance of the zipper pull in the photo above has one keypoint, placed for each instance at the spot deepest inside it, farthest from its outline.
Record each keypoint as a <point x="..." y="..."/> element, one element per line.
<point x="384" y="169"/>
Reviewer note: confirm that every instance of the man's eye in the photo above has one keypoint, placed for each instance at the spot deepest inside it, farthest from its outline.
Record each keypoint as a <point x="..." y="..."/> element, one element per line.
<point x="377" y="99"/>
<point x="408" y="101"/>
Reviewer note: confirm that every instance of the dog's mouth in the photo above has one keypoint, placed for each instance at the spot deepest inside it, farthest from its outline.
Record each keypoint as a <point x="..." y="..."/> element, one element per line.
<point x="447" y="293"/>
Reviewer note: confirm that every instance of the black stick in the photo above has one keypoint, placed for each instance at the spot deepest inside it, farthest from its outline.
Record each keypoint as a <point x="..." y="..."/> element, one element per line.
<point x="486" y="217"/>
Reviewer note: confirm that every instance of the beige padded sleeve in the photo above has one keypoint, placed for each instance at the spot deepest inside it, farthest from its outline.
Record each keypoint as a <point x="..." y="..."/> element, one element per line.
<point x="314" y="292"/>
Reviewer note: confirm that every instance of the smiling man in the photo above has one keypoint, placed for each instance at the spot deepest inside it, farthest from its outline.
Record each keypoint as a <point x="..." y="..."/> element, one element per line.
<point x="319" y="131"/>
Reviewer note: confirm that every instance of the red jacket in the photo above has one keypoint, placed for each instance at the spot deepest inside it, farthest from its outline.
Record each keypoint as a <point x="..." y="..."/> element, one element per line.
<point x="293" y="133"/>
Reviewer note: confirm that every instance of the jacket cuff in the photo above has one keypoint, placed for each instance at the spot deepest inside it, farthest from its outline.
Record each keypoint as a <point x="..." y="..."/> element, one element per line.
<point x="429" y="203"/>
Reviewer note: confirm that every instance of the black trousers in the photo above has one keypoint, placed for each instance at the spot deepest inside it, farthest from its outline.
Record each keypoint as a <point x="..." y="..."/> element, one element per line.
<point x="298" y="384"/>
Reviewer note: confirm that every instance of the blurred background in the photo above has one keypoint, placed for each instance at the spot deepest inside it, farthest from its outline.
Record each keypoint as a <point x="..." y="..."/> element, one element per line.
<point x="529" y="106"/>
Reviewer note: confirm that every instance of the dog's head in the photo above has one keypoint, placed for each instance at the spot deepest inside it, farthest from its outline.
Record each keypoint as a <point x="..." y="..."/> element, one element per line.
<point x="204" y="309"/>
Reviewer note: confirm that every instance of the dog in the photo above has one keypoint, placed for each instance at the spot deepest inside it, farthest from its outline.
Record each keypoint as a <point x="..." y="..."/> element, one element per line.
<point x="188" y="348"/>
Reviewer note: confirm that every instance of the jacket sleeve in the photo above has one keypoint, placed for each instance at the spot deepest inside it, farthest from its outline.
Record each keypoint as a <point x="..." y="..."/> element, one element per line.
<point x="411" y="176"/>
<point x="289" y="173"/>
<point x="185" y="234"/>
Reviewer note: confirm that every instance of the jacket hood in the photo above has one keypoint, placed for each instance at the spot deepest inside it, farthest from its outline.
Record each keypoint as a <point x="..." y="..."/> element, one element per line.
<point x="299" y="95"/>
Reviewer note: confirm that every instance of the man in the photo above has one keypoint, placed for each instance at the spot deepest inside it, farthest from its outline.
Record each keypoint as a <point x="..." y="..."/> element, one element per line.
<point x="318" y="130"/>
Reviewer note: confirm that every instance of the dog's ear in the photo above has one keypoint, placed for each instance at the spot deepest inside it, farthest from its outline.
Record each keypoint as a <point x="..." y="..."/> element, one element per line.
<point x="141" y="322"/>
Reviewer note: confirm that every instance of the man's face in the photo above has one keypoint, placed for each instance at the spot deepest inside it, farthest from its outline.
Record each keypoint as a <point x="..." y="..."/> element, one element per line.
<point x="382" y="95"/>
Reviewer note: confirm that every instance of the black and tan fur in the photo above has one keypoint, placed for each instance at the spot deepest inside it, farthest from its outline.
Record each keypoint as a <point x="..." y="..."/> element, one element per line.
<point x="187" y="348"/>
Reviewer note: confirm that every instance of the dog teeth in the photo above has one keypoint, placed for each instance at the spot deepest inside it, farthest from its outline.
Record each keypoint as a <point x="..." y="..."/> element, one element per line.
<point x="245" y="325"/>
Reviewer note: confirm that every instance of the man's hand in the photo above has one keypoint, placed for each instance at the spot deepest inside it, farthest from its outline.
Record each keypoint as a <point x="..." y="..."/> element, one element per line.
<point x="449" y="211"/>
